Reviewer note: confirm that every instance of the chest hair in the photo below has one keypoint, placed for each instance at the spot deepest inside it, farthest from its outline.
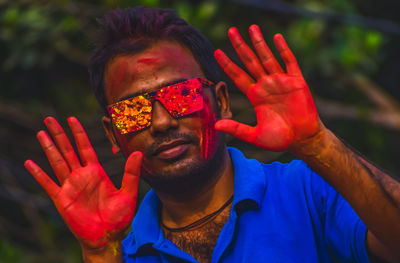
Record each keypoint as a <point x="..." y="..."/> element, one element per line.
<point x="200" y="242"/>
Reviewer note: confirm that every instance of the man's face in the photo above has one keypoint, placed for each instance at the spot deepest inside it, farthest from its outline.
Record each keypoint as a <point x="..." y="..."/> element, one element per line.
<point x="171" y="147"/>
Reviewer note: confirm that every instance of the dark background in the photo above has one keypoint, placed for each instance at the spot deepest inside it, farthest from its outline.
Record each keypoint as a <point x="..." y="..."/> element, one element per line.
<point x="348" y="51"/>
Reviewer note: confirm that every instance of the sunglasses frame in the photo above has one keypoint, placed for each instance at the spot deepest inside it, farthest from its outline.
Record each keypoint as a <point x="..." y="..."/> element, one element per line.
<point x="151" y="97"/>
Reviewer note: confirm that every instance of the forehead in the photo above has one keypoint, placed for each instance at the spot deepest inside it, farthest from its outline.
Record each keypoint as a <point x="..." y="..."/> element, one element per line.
<point x="162" y="63"/>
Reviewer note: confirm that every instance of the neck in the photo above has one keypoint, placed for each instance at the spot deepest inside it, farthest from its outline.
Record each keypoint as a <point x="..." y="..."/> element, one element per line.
<point x="189" y="206"/>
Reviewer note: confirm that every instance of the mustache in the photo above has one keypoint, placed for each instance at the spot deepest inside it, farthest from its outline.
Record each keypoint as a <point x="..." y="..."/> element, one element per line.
<point x="172" y="136"/>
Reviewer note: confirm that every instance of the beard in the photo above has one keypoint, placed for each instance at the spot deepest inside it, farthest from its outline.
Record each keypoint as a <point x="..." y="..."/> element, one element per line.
<point x="189" y="176"/>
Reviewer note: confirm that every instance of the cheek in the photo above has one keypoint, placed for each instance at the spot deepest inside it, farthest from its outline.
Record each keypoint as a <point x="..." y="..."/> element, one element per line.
<point x="207" y="133"/>
<point x="129" y="144"/>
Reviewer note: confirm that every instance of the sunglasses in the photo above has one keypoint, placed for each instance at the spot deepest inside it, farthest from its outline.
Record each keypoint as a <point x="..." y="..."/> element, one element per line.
<point x="181" y="99"/>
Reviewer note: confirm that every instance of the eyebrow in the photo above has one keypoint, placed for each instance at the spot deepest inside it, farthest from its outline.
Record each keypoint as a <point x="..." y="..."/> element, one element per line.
<point x="164" y="84"/>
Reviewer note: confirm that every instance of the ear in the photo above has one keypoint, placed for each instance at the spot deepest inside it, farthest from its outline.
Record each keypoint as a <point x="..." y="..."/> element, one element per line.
<point x="222" y="97"/>
<point x="108" y="127"/>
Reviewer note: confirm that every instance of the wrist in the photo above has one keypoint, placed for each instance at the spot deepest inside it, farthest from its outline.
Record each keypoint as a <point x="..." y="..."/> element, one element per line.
<point x="314" y="146"/>
<point x="110" y="253"/>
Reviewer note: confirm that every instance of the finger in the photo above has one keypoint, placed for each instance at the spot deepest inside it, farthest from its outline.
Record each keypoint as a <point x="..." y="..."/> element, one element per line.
<point x="85" y="149"/>
<point x="42" y="178"/>
<point x="57" y="162"/>
<point x="268" y="60"/>
<point x="238" y="130"/>
<point x="62" y="142"/>
<point x="130" y="181"/>
<point x="248" y="57"/>
<point x="290" y="61"/>
<point x="242" y="80"/>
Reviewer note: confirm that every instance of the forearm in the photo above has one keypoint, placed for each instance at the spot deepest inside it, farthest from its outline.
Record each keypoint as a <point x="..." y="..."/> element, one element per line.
<point x="373" y="194"/>
<point x="108" y="254"/>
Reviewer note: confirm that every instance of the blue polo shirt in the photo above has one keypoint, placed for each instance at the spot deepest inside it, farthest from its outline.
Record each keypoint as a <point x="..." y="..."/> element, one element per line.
<point x="280" y="213"/>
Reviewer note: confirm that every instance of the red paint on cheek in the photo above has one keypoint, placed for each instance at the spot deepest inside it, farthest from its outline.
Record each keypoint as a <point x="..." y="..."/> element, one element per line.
<point x="208" y="136"/>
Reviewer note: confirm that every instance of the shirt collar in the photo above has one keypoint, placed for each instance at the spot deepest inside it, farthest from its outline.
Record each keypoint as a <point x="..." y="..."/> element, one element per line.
<point x="146" y="224"/>
<point x="249" y="188"/>
<point x="250" y="182"/>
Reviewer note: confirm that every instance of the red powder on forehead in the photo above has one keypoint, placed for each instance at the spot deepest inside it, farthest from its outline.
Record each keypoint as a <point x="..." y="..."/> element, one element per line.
<point x="148" y="61"/>
<point x="118" y="74"/>
<point x="124" y="69"/>
<point x="121" y="76"/>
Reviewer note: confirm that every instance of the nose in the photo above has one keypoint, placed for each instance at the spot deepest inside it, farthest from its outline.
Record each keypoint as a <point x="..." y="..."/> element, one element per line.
<point x="161" y="120"/>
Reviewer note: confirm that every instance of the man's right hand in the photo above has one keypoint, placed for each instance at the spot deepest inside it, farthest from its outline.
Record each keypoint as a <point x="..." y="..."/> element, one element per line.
<point x="94" y="210"/>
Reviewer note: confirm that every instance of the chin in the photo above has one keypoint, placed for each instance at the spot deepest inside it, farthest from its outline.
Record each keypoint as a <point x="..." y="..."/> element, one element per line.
<point x="189" y="174"/>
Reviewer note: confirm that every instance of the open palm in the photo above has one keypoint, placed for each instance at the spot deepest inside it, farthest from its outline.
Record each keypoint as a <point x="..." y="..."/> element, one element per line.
<point x="283" y="104"/>
<point x="95" y="211"/>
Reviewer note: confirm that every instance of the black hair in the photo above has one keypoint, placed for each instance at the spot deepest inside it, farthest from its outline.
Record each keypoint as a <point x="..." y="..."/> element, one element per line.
<point x="132" y="30"/>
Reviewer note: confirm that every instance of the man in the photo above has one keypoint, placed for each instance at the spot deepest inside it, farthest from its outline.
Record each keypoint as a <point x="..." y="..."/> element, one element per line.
<point x="166" y="111"/>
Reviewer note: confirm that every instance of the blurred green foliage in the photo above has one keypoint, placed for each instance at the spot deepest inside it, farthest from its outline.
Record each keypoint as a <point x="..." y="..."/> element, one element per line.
<point x="44" y="49"/>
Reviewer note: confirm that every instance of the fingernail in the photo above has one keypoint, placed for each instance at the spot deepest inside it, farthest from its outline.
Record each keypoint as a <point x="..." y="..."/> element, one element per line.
<point x="278" y="35"/>
<point x="40" y="134"/>
<point x="47" y="119"/>
<point x="138" y="154"/>
<point x="28" y="164"/>
<point x="254" y="26"/>
<point x="232" y="30"/>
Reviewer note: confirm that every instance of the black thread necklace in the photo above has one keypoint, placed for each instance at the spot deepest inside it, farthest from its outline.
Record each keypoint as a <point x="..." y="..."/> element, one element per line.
<point x="199" y="222"/>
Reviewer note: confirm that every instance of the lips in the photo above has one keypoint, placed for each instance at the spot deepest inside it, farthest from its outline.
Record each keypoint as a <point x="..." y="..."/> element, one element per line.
<point x="171" y="149"/>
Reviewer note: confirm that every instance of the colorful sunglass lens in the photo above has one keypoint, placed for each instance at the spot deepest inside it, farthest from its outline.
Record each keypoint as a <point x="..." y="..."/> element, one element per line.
<point x="131" y="115"/>
<point x="181" y="99"/>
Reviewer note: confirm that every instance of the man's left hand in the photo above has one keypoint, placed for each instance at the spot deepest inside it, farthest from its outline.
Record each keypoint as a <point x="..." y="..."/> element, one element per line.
<point x="284" y="108"/>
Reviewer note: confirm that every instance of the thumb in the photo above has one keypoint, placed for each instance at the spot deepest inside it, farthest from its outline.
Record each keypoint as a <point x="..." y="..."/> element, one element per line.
<point x="241" y="131"/>
<point x="130" y="181"/>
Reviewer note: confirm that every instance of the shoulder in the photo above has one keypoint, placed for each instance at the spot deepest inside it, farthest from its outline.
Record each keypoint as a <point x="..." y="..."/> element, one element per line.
<point x="244" y="165"/>
<point x="297" y="178"/>
<point x="295" y="174"/>
<point x="296" y="171"/>
<point x="292" y="166"/>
